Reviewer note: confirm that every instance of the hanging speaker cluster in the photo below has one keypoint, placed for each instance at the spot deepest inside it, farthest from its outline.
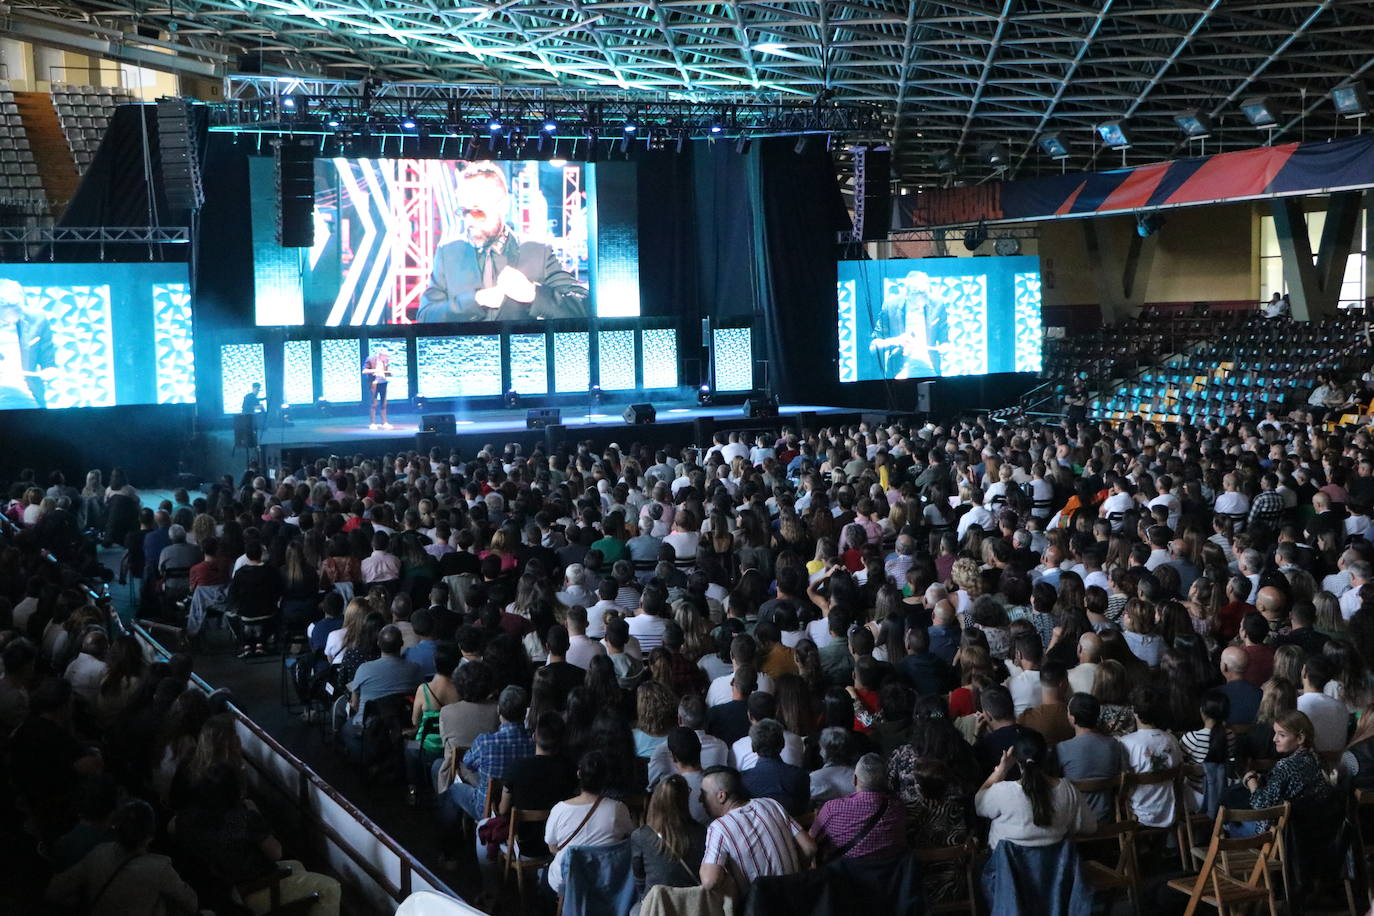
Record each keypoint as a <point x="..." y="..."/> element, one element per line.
<point x="295" y="194"/>
<point x="179" y="163"/>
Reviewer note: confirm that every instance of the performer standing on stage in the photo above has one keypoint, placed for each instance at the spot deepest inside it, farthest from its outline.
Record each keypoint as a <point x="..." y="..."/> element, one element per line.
<point x="376" y="372"/>
<point x="26" y="350"/>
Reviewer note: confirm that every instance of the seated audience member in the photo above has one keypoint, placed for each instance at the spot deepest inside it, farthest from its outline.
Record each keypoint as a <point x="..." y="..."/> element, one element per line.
<point x="762" y="706"/>
<point x="489" y="757"/>
<point x="475" y="711"/>
<point x="589" y="818"/>
<point x="421" y="652"/>
<point x="925" y="671"/>
<point x="538" y="783"/>
<point x="691" y="714"/>
<point x="1150" y="749"/>
<point x="1051" y="717"/>
<point x="1089" y="754"/>
<point x="1297" y="776"/>
<point x="121" y="876"/>
<point x="871" y="821"/>
<point x="1328" y="715"/>
<point x="1242" y="695"/>
<point x="997" y="726"/>
<point x="835" y="778"/>
<point x="388" y="675"/>
<point x="770" y="777"/>
<point x="667" y="850"/>
<point x="729" y="722"/>
<point x="1358" y="760"/>
<point x="1038" y="809"/>
<point x="748" y="838"/>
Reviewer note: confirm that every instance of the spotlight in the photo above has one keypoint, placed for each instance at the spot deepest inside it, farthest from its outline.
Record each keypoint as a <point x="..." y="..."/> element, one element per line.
<point x="1260" y="112"/>
<point x="322" y="405"/>
<point x="409" y="122"/>
<point x="975" y="236"/>
<point x="630" y="127"/>
<point x="421" y="402"/>
<point x="994" y="154"/>
<point x="495" y="126"/>
<point x="1147" y="224"/>
<point x="550" y="127"/>
<point x="512" y="399"/>
<point x="1351" y="101"/>
<point x="1052" y="145"/>
<point x="705" y="395"/>
<point x="716" y="128"/>
<point x="595" y="394"/>
<point x="333" y="119"/>
<point x="288" y="102"/>
<point x="1195" y="124"/>
<point x="1113" y="135"/>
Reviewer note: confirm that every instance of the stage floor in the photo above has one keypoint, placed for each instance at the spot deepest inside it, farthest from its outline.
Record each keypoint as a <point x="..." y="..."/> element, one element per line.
<point x="316" y="436"/>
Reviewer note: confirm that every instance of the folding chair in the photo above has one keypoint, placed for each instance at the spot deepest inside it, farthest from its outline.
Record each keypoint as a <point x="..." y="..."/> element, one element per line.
<point x="512" y="861"/>
<point x="1124" y="875"/>
<point x="1220" y="887"/>
<point x="1173" y="778"/>
<point x="964" y="856"/>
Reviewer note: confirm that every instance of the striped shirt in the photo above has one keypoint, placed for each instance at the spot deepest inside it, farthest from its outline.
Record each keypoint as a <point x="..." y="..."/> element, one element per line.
<point x="754" y="841"/>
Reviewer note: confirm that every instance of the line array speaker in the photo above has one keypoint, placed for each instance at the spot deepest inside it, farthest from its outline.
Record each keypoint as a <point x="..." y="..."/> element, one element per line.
<point x="178" y="161"/>
<point x="877" y="194"/>
<point x="295" y="195"/>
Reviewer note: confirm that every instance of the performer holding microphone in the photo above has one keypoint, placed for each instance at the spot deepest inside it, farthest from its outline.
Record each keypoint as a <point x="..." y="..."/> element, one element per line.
<point x="376" y="372"/>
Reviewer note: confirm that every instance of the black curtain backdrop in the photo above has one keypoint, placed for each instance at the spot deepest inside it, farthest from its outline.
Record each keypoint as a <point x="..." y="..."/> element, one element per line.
<point x="795" y="251"/>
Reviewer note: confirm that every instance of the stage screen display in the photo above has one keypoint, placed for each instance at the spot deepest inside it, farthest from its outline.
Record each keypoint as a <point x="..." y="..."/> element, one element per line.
<point x="938" y="317"/>
<point x="95" y="335"/>
<point x="401" y="241"/>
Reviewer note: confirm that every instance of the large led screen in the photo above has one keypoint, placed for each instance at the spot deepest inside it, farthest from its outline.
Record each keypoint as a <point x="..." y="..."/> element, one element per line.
<point x="938" y="317"/>
<point x="95" y="335"/>
<point x="401" y="241"/>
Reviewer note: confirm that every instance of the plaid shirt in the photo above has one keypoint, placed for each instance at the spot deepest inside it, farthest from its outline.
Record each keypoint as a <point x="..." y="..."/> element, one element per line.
<point x="841" y="819"/>
<point x="492" y="753"/>
<point x="1266" y="508"/>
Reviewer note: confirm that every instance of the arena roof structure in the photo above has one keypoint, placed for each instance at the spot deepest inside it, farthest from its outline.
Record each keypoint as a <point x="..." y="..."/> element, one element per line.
<point x="972" y="90"/>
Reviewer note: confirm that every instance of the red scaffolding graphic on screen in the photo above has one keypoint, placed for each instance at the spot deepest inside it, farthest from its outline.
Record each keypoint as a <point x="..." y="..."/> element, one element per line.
<point x="414" y="223"/>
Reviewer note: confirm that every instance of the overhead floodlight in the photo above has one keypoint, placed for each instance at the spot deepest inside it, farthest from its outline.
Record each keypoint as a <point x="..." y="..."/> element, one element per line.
<point x="1053" y="145"/>
<point x="1147" y="224"/>
<point x="1113" y="135"/>
<point x="408" y="122"/>
<point x="946" y="163"/>
<point x="495" y="126"/>
<point x="1351" y="101"/>
<point x="716" y="128"/>
<point x="769" y="47"/>
<point x="994" y="154"/>
<point x="630" y="127"/>
<point x="1259" y="112"/>
<point x="550" y="126"/>
<point x="333" y="120"/>
<point x="288" y="102"/>
<point x="1195" y="124"/>
<point x="975" y="236"/>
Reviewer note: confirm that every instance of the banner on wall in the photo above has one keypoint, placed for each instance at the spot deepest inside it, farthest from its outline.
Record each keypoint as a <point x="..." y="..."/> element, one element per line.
<point x="1288" y="170"/>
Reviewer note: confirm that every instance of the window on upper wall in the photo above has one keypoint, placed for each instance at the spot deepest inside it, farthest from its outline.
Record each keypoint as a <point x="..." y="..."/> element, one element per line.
<point x="1353" y="290"/>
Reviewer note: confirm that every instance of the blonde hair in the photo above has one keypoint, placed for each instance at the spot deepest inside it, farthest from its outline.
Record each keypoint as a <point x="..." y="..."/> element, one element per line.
<point x="966" y="575"/>
<point x="668" y="815"/>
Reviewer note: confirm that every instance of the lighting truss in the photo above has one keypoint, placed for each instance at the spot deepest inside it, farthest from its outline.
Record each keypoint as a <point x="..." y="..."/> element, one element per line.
<point x="340" y="108"/>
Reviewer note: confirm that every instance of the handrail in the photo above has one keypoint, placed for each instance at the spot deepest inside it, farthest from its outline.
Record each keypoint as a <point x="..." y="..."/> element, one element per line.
<point x="306" y="780"/>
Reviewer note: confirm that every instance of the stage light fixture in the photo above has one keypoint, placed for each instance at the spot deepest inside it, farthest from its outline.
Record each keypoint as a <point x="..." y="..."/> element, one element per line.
<point x="1195" y="124"/>
<point x="1259" y="112"/>
<point x="1147" y="224"/>
<point x="994" y="154"/>
<point x="799" y="148"/>
<point x="716" y="128"/>
<point x="705" y="395"/>
<point x="550" y="127"/>
<point x="742" y="143"/>
<point x="495" y="126"/>
<point x="681" y="143"/>
<point x="512" y="399"/>
<point x="595" y="394"/>
<point x="1113" y="135"/>
<point x="1052" y="145"/>
<point x="421" y="402"/>
<point x="470" y="148"/>
<point x="408" y="123"/>
<point x="630" y="126"/>
<point x="975" y="236"/>
<point x="288" y="102"/>
<point x="1351" y="101"/>
<point x="946" y="163"/>
<point x="333" y="120"/>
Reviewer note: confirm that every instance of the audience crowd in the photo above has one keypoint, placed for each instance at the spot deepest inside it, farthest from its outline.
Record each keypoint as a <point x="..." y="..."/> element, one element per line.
<point x="728" y="662"/>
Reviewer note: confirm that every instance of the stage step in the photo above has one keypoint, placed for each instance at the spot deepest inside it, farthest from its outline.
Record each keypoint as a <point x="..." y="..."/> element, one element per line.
<point x="52" y="153"/>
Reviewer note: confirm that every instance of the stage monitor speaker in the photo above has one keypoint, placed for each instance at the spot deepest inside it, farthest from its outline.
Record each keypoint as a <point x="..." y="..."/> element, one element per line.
<point x="178" y="161"/>
<point x="637" y="414"/>
<point x="245" y="431"/>
<point x="923" y="390"/>
<point x="877" y="193"/>
<point x="444" y="423"/>
<point x="542" y="417"/>
<point x="425" y="440"/>
<point x="760" y="404"/>
<point x="295" y="195"/>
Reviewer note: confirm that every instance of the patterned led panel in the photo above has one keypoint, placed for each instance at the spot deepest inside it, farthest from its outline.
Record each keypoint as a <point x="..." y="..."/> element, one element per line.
<point x="967" y="316"/>
<point x="455" y="367"/>
<point x="399" y="388"/>
<point x="1029" y="334"/>
<point x="734" y="359"/>
<point x="529" y="364"/>
<point x="659" y="357"/>
<point x="572" y="371"/>
<point x="298" y="372"/>
<point x="240" y="365"/>
<point x="341" y="371"/>
<point x="617" y="360"/>
<point x="82" y="344"/>
<point x="173" y="345"/>
<point x="849" y="322"/>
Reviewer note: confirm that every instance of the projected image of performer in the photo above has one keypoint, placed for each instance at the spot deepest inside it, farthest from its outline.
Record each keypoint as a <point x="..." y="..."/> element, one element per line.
<point x="376" y="374"/>
<point x="491" y="275"/>
<point x="26" y="350"/>
<point x="907" y="335"/>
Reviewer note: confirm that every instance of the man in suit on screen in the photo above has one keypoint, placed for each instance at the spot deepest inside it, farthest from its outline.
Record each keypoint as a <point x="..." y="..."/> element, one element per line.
<point x="908" y="335"/>
<point x="490" y="275"/>
<point x="26" y="350"/>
